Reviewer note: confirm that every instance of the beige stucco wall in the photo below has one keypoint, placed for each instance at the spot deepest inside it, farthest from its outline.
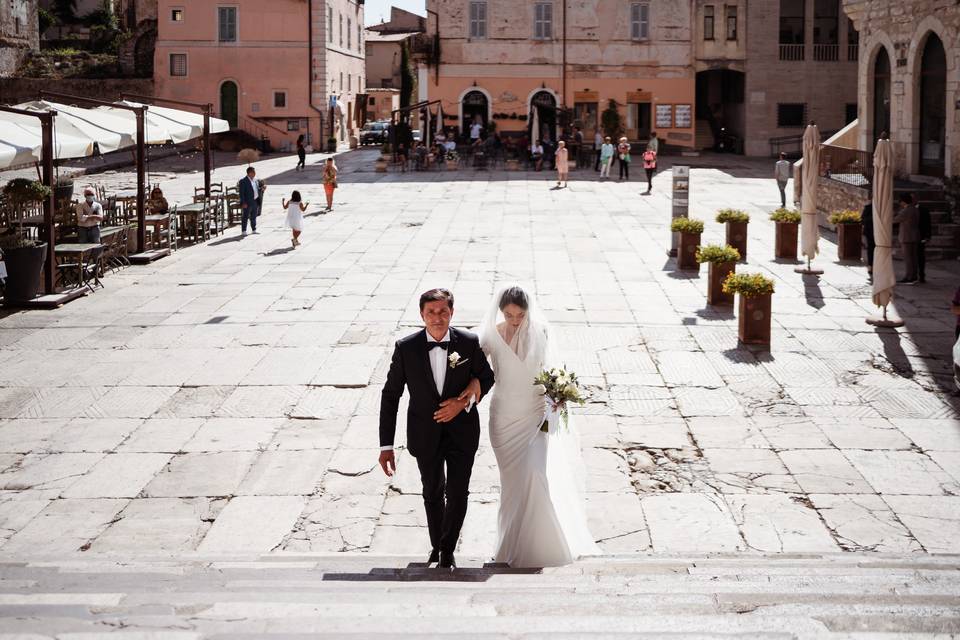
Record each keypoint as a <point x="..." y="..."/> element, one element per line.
<point x="902" y="29"/>
<point x="338" y="66"/>
<point x="383" y="62"/>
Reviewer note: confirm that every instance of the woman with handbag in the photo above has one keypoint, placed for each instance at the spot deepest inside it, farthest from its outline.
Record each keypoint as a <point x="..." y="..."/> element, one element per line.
<point x="329" y="181"/>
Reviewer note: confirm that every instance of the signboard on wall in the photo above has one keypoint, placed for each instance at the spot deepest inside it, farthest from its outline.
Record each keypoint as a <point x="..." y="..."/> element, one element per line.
<point x="664" y="117"/>
<point x="586" y="96"/>
<point x="683" y="116"/>
<point x="639" y="96"/>
<point x="681" y="200"/>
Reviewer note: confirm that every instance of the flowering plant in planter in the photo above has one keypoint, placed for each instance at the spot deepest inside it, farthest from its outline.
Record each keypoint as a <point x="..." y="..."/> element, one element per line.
<point x="452" y="156"/>
<point x="732" y="215"/>
<point x="19" y="192"/>
<point x="717" y="254"/>
<point x="845" y="216"/>
<point x="686" y="225"/>
<point x="790" y="216"/>
<point x="722" y="261"/>
<point x="748" y="285"/>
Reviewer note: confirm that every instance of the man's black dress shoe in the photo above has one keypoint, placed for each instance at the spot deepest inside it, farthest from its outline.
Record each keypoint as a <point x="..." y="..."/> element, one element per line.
<point x="434" y="557"/>
<point x="447" y="561"/>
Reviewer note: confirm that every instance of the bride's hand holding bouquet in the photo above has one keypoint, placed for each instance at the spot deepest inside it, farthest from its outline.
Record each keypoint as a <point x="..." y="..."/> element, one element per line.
<point x="559" y="388"/>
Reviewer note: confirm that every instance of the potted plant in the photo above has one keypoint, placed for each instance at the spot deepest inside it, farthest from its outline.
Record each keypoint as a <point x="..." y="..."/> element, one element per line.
<point x="63" y="188"/>
<point x="756" y="293"/>
<point x="787" y="231"/>
<point x="849" y="234"/>
<point x="722" y="261"/>
<point x="736" y="222"/>
<point x="689" y="230"/>
<point x="23" y="257"/>
<point x="332" y="144"/>
<point x="452" y="159"/>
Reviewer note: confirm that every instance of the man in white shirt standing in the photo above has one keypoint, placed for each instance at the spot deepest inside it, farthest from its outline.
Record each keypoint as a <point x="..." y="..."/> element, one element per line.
<point x="781" y="172"/>
<point x="475" y="129"/>
<point x="447" y="374"/>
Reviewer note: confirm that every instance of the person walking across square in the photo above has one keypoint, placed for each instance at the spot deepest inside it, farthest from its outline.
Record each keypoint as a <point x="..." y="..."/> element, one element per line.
<point x="650" y="166"/>
<point x="563" y="163"/>
<point x="597" y="149"/>
<point x="781" y="173"/>
<point x="329" y="181"/>
<point x="606" y="157"/>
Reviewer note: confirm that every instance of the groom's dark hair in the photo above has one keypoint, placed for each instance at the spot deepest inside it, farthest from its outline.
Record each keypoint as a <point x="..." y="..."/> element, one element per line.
<point x="436" y="295"/>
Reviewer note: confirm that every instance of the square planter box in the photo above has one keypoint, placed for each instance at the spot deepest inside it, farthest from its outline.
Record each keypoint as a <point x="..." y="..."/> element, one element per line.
<point x="451" y="165"/>
<point x="754" y="319"/>
<point x="687" y="252"/>
<point x="785" y="246"/>
<point x="737" y="238"/>
<point x="717" y="273"/>
<point x="849" y="241"/>
<point x="512" y="165"/>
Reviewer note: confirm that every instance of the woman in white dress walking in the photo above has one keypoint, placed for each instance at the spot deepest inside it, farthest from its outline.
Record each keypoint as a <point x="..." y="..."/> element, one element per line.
<point x="541" y="522"/>
<point x="294" y="220"/>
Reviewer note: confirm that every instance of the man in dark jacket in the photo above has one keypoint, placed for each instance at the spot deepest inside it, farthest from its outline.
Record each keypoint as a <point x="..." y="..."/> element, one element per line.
<point x="926" y="232"/>
<point x="909" y="220"/>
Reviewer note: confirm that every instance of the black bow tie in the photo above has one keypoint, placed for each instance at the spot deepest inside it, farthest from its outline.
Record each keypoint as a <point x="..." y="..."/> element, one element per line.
<point x="433" y="345"/>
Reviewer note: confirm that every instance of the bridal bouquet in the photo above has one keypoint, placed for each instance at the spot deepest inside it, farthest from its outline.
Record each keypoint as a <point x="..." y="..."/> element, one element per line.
<point x="560" y="387"/>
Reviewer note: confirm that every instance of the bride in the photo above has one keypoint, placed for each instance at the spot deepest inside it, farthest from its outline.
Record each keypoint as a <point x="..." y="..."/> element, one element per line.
<point x="541" y="520"/>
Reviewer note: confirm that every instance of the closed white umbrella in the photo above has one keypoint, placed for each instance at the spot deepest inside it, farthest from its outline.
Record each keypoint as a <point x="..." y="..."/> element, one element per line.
<point x="809" y="231"/>
<point x="439" y="120"/>
<point x="108" y="131"/>
<point x="884" y="278"/>
<point x="535" y="125"/>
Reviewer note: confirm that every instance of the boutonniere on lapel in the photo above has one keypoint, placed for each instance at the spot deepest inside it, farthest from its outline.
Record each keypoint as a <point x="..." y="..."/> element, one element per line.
<point x="455" y="361"/>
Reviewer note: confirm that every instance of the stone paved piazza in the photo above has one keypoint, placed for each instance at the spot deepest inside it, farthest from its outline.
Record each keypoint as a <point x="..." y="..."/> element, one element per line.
<point x="223" y="402"/>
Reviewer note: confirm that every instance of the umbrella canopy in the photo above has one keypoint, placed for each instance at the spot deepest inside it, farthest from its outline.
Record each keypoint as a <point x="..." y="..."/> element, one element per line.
<point x="177" y="118"/>
<point x="156" y="129"/>
<point x="535" y="126"/>
<point x="883" y="276"/>
<point x="808" y="200"/>
<point x="439" y="119"/>
<point x="108" y="131"/>
<point x="21" y="140"/>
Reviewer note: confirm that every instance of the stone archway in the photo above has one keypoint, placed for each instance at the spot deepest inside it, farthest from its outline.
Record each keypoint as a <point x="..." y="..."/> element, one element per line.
<point x="136" y="54"/>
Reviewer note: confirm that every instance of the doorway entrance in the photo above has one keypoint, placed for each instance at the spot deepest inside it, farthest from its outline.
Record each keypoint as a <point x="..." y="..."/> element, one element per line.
<point x="475" y="109"/>
<point x="933" y="107"/>
<point x="229" y="104"/>
<point x="720" y="109"/>
<point x="546" y="106"/>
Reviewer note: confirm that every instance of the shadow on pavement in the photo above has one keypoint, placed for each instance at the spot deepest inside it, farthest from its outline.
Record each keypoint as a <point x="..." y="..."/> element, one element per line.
<point x="812" y="291"/>
<point x="418" y="572"/>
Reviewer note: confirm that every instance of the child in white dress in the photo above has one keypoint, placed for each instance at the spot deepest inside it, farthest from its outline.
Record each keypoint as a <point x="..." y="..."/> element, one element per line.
<point x="295" y="209"/>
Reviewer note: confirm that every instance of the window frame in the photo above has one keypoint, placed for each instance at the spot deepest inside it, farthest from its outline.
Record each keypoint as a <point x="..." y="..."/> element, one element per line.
<point x="173" y="13"/>
<point x="221" y="8"/>
<point x="712" y="16"/>
<point x="341" y="31"/>
<point x="280" y="92"/>
<point x="730" y="11"/>
<point x="186" y="64"/>
<point x="349" y="33"/>
<point x="473" y="21"/>
<point x="329" y="24"/>
<point x="639" y="27"/>
<point x="542" y="27"/>
<point x="780" y="119"/>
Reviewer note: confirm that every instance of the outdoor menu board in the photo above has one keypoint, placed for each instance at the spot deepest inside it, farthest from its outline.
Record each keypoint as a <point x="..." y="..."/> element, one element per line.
<point x="683" y="116"/>
<point x="681" y="200"/>
<point x="664" y="118"/>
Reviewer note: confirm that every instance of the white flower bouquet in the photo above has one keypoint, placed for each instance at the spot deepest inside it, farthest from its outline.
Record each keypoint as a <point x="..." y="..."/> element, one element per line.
<point x="559" y="387"/>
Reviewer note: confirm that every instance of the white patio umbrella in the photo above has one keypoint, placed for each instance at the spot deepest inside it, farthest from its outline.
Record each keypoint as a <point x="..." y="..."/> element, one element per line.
<point x="439" y="120"/>
<point x="156" y="129"/>
<point x="21" y="141"/>
<point x="177" y="118"/>
<point x="809" y="231"/>
<point x="884" y="278"/>
<point x="534" y="125"/>
<point x="108" y="131"/>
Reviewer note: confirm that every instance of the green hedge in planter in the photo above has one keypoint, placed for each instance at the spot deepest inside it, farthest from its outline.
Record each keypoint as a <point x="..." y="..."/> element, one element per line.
<point x="686" y="225"/>
<point x="24" y="190"/>
<point x="846" y="216"/>
<point x="732" y="215"/>
<point x="748" y="284"/>
<point x="717" y="253"/>
<point x="786" y="215"/>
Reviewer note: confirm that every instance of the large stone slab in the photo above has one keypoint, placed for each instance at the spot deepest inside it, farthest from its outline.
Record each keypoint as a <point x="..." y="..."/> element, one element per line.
<point x="691" y="522"/>
<point x="252" y="524"/>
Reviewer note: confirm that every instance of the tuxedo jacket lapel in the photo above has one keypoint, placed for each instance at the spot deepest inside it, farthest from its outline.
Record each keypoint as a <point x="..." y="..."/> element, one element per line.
<point x="425" y="360"/>
<point x="450" y="349"/>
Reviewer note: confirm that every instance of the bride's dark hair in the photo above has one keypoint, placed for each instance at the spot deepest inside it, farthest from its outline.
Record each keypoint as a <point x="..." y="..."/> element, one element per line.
<point x="515" y="295"/>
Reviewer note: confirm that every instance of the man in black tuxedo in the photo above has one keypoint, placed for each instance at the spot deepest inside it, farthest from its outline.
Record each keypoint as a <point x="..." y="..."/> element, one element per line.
<point x="447" y="374"/>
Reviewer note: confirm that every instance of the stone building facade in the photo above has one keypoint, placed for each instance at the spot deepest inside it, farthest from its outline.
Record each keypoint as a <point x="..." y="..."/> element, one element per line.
<point x="908" y="81"/>
<point x="274" y="68"/>
<point x="383" y="53"/>
<point x="18" y="33"/>
<point x="498" y="59"/>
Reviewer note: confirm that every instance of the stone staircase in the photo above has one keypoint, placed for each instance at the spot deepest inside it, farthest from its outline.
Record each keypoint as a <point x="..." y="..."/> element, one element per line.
<point x="945" y="242"/>
<point x="283" y="595"/>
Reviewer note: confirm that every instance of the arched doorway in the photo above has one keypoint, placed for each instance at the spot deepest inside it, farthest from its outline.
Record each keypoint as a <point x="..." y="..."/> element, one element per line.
<point x="546" y="105"/>
<point x="229" y="105"/>
<point x="721" y="117"/>
<point x="881" y="96"/>
<point x="475" y="109"/>
<point x="933" y="106"/>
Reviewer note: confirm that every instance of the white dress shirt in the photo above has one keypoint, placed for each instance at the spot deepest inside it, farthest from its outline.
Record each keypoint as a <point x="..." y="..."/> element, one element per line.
<point x="256" y="190"/>
<point x="438" y="365"/>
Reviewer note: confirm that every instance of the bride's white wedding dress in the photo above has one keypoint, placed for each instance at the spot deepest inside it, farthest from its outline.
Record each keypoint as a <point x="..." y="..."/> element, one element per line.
<point x="541" y="521"/>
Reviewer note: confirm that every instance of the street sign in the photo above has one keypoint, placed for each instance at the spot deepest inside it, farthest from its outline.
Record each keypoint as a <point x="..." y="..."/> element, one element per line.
<point x="681" y="200"/>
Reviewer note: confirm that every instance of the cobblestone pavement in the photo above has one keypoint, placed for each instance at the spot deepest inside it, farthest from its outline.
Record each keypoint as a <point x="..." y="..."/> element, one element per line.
<point x="224" y="399"/>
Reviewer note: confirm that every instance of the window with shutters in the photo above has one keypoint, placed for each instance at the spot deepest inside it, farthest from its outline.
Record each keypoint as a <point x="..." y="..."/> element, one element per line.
<point x="227" y="19"/>
<point x="178" y="64"/>
<point x="478" y="19"/>
<point x="330" y="25"/>
<point x="543" y="20"/>
<point x="708" y="22"/>
<point x="639" y="21"/>
<point x="279" y="99"/>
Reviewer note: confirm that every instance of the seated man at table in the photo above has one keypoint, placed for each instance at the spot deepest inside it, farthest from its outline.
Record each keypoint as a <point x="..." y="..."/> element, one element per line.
<point x="157" y="204"/>
<point x="89" y="217"/>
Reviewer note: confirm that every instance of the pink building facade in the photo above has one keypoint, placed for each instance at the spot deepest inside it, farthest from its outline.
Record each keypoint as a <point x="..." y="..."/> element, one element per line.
<point x="269" y="67"/>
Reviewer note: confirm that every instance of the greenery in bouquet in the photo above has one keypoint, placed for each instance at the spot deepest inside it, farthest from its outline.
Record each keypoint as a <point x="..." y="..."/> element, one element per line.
<point x="559" y="387"/>
<point x="786" y="215"/>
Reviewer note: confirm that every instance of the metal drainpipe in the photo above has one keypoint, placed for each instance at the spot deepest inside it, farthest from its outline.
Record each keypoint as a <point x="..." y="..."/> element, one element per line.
<point x="310" y="66"/>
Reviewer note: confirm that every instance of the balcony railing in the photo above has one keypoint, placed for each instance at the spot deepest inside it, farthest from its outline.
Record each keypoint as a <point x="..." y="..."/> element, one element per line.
<point x="791" y="51"/>
<point x="850" y="166"/>
<point x="853" y="52"/>
<point x="826" y="52"/>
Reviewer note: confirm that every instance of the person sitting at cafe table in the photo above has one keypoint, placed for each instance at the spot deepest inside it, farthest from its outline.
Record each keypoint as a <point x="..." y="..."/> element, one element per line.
<point x="89" y="217"/>
<point x="157" y="204"/>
